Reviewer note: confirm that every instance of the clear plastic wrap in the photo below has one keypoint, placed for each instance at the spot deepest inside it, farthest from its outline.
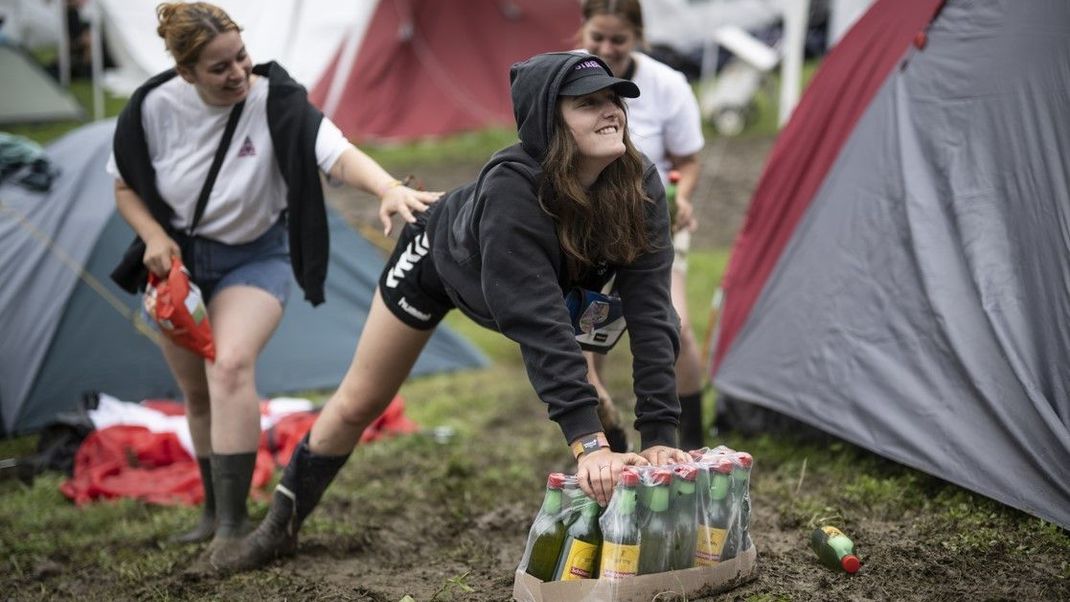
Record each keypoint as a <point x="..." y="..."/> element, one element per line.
<point x="680" y="529"/>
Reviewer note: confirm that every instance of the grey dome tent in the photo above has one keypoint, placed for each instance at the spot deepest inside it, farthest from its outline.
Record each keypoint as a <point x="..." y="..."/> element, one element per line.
<point x="902" y="278"/>
<point x="65" y="328"/>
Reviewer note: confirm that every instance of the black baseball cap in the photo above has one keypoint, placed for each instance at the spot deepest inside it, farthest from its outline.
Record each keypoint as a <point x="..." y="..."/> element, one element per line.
<point x="590" y="75"/>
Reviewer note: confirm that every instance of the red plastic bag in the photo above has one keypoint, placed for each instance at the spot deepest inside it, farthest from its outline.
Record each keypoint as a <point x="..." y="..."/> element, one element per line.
<point x="178" y="308"/>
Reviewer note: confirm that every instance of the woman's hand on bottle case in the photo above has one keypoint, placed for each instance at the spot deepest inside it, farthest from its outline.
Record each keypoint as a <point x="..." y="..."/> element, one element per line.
<point x="599" y="470"/>
<point x="660" y="455"/>
<point x="405" y="202"/>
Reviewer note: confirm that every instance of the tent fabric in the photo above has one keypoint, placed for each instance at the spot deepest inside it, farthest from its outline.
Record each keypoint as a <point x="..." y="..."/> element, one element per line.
<point x="150" y="462"/>
<point x="300" y="35"/>
<point x="433" y="67"/>
<point x="68" y="329"/>
<point x="902" y="277"/>
<point x="28" y="94"/>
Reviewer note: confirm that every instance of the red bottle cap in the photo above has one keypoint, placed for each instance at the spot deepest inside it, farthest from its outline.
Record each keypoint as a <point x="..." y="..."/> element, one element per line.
<point x="674" y="176"/>
<point x="850" y="563"/>
<point x="629" y="477"/>
<point x="661" y="476"/>
<point x="687" y="472"/>
<point x="723" y="466"/>
<point x="556" y="480"/>
<point x="745" y="460"/>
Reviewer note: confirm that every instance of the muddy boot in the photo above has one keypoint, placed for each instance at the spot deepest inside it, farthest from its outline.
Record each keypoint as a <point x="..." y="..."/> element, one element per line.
<point x="303" y="482"/>
<point x="206" y="526"/>
<point x="231" y="475"/>
<point x="691" y="429"/>
<point x="609" y="416"/>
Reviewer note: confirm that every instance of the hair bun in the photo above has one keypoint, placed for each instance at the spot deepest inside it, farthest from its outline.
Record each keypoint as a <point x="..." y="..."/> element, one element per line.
<point x="164" y="12"/>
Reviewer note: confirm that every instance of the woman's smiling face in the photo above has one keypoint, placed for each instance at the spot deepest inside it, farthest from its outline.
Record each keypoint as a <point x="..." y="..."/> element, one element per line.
<point x="596" y="122"/>
<point x="221" y="73"/>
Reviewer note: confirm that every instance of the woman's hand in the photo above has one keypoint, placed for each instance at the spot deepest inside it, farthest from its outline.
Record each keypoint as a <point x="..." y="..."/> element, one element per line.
<point x="158" y="253"/>
<point x="660" y="455"/>
<point x="685" y="215"/>
<point x="403" y="201"/>
<point x="599" y="470"/>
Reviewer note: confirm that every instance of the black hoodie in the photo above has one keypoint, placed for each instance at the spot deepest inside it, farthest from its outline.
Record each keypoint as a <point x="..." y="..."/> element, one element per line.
<point x="499" y="256"/>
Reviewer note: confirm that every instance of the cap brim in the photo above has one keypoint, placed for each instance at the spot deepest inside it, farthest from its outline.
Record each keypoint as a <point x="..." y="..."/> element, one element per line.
<point x="594" y="83"/>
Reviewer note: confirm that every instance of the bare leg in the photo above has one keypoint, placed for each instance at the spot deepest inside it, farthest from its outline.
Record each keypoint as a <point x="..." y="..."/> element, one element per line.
<point x="188" y="370"/>
<point x="688" y="364"/>
<point x="608" y="414"/>
<point x="243" y="319"/>
<point x="688" y="370"/>
<point x="387" y="350"/>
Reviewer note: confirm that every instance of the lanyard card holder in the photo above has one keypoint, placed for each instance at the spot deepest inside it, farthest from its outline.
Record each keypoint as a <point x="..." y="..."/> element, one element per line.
<point x="597" y="319"/>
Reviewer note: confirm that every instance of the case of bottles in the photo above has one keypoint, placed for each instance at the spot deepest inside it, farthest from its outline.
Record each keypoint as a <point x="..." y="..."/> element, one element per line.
<point x="681" y="529"/>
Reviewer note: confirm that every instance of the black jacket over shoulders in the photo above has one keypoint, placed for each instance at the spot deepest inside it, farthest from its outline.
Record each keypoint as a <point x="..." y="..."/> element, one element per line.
<point x="294" y="124"/>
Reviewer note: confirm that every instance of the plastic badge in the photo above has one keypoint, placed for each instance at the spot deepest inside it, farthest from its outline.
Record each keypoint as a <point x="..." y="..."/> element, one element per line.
<point x="178" y="308"/>
<point x="597" y="319"/>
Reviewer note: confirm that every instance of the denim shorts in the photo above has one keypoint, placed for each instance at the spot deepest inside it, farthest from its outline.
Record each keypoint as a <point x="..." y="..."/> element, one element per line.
<point x="263" y="263"/>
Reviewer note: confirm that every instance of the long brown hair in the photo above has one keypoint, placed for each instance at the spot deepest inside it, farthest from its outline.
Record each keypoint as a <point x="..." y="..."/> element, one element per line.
<point x="606" y="222"/>
<point x="187" y="27"/>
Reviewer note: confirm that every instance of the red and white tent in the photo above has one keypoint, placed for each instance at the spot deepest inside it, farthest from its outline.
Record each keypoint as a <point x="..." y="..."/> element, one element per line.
<point x="381" y="69"/>
<point x="432" y="67"/>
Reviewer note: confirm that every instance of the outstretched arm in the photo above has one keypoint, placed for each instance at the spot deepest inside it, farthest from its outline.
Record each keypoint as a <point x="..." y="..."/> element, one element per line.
<point x="357" y="169"/>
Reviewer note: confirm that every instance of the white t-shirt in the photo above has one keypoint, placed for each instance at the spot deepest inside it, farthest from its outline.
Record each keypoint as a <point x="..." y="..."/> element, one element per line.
<point x="183" y="134"/>
<point x="665" y="118"/>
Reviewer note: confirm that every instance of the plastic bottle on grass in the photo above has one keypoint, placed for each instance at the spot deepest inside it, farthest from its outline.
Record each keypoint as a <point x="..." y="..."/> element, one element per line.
<point x="655" y="532"/>
<point x="834" y="549"/>
<point x="620" y="531"/>
<point x="583" y="542"/>
<point x="684" y="508"/>
<point x="547" y="531"/>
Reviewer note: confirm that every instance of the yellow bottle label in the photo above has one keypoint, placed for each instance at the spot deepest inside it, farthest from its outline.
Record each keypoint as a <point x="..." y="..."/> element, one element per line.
<point x="709" y="545"/>
<point x="579" y="561"/>
<point x="618" y="561"/>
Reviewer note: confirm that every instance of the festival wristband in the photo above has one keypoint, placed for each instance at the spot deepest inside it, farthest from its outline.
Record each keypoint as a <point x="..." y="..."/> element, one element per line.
<point x="386" y="187"/>
<point x="589" y="443"/>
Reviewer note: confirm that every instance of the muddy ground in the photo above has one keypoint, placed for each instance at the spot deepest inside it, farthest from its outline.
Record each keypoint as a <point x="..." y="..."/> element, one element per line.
<point x="448" y="522"/>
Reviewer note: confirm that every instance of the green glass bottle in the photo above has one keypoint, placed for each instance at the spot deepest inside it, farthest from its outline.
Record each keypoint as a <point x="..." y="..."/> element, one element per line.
<point x="670" y="194"/>
<point x="715" y="515"/>
<point x="834" y="549"/>
<point x="547" y="531"/>
<point x="620" y="531"/>
<point x="655" y="532"/>
<point x="583" y="542"/>
<point x="684" y="507"/>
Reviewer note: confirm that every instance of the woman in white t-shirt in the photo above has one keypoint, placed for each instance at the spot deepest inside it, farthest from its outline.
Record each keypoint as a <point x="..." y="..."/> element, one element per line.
<point x="665" y="125"/>
<point x="264" y="218"/>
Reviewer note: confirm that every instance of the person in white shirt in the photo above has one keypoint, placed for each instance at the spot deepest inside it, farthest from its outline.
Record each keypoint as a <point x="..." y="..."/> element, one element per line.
<point x="666" y="126"/>
<point x="264" y="218"/>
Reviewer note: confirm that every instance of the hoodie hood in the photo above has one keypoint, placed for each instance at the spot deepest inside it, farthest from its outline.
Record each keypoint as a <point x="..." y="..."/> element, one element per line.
<point x="535" y="85"/>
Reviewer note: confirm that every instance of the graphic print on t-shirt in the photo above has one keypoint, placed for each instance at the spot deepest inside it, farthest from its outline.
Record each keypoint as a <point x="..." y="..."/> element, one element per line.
<point x="247" y="148"/>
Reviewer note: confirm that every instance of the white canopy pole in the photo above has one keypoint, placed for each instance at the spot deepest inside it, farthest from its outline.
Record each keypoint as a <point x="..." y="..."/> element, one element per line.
<point x="97" y="50"/>
<point x="796" y="15"/>
<point x="63" y="61"/>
